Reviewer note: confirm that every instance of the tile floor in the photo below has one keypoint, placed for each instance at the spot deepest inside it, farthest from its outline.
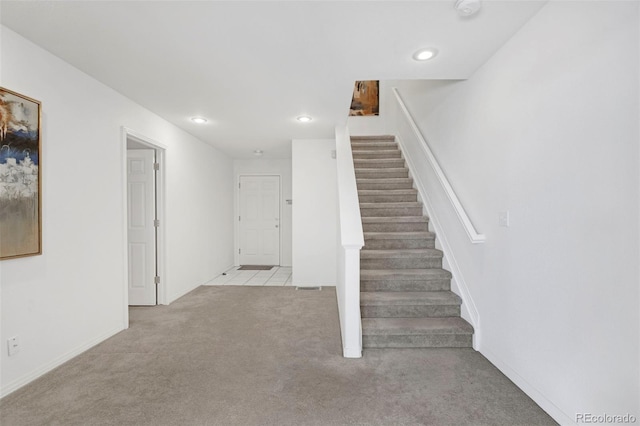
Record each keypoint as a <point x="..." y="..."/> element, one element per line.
<point x="277" y="276"/>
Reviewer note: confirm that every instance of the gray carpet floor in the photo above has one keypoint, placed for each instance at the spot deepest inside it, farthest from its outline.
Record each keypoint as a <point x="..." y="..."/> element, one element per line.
<point x="263" y="356"/>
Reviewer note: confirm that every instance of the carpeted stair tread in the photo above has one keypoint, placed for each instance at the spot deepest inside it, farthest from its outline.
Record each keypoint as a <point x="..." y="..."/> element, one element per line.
<point x="387" y="195"/>
<point x="399" y="253"/>
<point x="382" y="184"/>
<point x="404" y="274"/>
<point x="404" y="208"/>
<point x="395" y="224"/>
<point x="398" y="235"/>
<point x="377" y="150"/>
<point x="373" y="138"/>
<point x="390" y="151"/>
<point x="376" y="153"/>
<point x="382" y="174"/>
<point x="418" y="284"/>
<point x="394" y="219"/>
<point x="373" y="146"/>
<point x="433" y="279"/>
<point x="389" y="183"/>
<point x="378" y="163"/>
<point x="415" y="326"/>
<point x="384" y="257"/>
<point x="379" y="170"/>
<point x="387" y="180"/>
<point x="390" y="205"/>
<point x="410" y="191"/>
<point x="413" y="298"/>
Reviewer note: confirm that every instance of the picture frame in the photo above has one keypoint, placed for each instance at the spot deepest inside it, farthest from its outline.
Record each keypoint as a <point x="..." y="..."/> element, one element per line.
<point x="20" y="175"/>
<point x="366" y="98"/>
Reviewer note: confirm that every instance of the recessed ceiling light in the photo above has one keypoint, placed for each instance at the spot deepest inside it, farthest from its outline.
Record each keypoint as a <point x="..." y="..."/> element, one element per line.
<point x="425" y="54"/>
<point x="304" y="119"/>
<point x="199" y="120"/>
<point x="467" y="7"/>
<point x="258" y="153"/>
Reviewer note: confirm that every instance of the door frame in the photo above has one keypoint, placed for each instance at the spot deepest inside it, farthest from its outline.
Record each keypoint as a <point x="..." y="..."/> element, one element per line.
<point x="236" y="222"/>
<point x="160" y="149"/>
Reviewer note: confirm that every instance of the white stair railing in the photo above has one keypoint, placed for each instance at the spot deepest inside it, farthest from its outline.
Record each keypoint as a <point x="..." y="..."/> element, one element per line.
<point x="350" y="242"/>
<point x="474" y="236"/>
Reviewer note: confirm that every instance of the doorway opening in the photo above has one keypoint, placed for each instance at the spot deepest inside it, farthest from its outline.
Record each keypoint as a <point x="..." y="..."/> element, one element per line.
<point x="144" y="195"/>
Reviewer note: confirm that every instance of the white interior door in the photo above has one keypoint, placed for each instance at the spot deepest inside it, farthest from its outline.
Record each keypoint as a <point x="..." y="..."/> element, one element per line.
<point x="259" y="220"/>
<point x="141" y="215"/>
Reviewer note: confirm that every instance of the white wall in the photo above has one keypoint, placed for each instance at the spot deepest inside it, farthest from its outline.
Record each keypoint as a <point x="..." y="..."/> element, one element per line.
<point x="281" y="167"/>
<point x="315" y="207"/>
<point x="547" y="129"/>
<point x="428" y="93"/>
<point x="73" y="295"/>
<point x="371" y="125"/>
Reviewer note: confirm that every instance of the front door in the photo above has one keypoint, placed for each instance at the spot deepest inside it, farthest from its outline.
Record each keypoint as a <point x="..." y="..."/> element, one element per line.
<point x="259" y="220"/>
<point x="141" y="215"/>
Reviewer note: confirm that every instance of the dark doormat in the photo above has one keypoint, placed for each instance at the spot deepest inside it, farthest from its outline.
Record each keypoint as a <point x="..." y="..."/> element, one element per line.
<point x="255" y="268"/>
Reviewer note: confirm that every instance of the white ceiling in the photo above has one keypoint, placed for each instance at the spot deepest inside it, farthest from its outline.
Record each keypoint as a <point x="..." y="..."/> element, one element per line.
<point x="252" y="67"/>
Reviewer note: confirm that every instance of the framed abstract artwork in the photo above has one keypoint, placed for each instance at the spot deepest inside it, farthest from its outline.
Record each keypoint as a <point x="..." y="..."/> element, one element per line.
<point x="20" y="175"/>
<point x="366" y="98"/>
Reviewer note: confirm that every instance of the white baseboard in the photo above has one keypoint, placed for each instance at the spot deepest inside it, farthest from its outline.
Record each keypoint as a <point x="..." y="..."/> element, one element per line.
<point x="352" y="353"/>
<point x="43" y="369"/>
<point x="313" y="284"/>
<point x="177" y="296"/>
<point x="209" y="282"/>
<point x="539" y="398"/>
<point x="225" y="270"/>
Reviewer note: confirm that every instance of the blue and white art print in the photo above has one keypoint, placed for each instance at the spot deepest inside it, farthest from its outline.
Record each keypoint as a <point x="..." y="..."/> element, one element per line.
<point x="20" y="189"/>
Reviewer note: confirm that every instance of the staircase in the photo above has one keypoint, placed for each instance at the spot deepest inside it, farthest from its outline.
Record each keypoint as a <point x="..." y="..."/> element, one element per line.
<point x="405" y="297"/>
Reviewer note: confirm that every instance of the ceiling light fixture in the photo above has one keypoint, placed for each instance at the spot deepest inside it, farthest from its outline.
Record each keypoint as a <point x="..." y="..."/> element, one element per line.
<point x="199" y="120"/>
<point x="425" y="54"/>
<point x="304" y="119"/>
<point x="467" y="7"/>
<point x="258" y="153"/>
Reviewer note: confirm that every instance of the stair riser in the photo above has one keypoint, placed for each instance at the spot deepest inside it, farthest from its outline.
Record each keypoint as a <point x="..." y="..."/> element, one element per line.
<point x="380" y="146"/>
<point x="401" y="263"/>
<point x="410" y="311"/>
<point x="379" y="164"/>
<point x="382" y="185"/>
<point x="388" y="198"/>
<point x="391" y="211"/>
<point x="372" y="138"/>
<point x="382" y="174"/>
<point x="407" y="285"/>
<point x="364" y="155"/>
<point x="396" y="227"/>
<point x="398" y="244"/>
<point x="418" y="341"/>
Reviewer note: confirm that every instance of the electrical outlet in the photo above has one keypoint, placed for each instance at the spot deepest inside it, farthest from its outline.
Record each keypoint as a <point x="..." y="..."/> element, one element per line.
<point x="13" y="345"/>
<point x="503" y="219"/>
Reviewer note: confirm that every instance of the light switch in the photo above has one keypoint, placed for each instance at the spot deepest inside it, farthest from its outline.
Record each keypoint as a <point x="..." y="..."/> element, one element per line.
<point x="503" y="219"/>
<point x="13" y="345"/>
